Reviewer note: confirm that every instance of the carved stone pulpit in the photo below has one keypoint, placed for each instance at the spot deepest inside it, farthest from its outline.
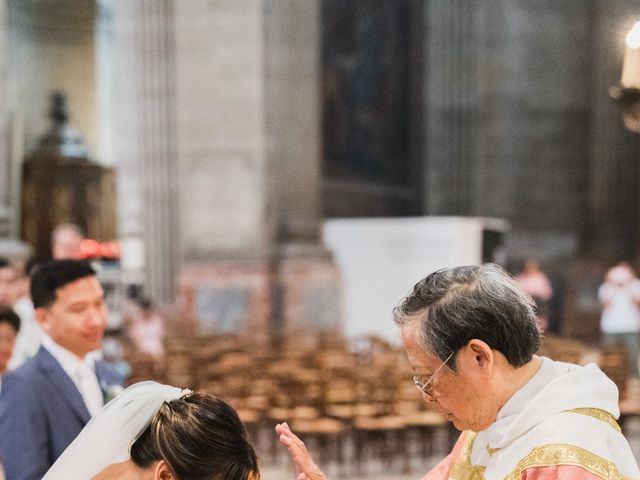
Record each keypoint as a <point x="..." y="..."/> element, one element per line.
<point x="62" y="185"/>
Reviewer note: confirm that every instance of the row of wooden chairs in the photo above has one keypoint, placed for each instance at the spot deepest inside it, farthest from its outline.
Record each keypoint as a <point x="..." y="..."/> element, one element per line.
<point x="352" y="400"/>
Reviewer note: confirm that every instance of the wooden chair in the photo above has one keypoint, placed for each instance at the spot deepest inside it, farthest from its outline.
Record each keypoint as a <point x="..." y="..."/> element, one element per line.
<point x="325" y="436"/>
<point x="614" y="362"/>
<point x="382" y="437"/>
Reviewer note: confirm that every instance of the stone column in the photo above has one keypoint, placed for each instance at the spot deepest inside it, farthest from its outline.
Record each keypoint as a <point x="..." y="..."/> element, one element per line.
<point x="223" y="282"/>
<point x="5" y="164"/>
<point x="248" y="144"/>
<point x="305" y="277"/>
<point x="292" y="109"/>
<point x="143" y="90"/>
<point x="451" y="107"/>
<point x="158" y="138"/>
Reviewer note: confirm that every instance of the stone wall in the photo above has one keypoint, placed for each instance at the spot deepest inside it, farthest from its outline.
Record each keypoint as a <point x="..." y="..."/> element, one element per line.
<point x="519" y="124"/>
<point x="221" y="134"/>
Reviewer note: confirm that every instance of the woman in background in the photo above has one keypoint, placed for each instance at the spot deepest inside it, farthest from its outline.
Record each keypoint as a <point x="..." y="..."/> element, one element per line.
<point x="9" y="328"/>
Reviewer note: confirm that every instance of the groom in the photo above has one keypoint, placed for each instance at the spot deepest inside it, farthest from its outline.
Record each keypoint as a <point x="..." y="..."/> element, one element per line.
<point x="47" y="401"/>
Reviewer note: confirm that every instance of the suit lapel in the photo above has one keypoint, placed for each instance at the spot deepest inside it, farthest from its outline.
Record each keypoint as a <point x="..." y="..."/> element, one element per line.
<point x="103" y="380"/>
<point x="60" y="381"/>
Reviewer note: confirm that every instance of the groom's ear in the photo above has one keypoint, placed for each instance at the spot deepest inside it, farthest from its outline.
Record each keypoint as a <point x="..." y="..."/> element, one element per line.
<point x="41" y="317"/>
<point x="162" y="471"/>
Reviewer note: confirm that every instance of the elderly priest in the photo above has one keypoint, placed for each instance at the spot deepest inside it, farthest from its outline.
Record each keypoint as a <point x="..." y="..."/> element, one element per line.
<point x="470" y="335"/>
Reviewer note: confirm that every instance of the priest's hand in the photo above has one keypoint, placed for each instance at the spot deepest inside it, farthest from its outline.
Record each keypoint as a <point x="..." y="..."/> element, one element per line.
<point x="305" y="466"/>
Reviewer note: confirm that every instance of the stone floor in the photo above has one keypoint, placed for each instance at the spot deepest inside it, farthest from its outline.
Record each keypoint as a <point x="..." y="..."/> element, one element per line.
<point x="273" y="473"/>
<point x="281" y="469"/>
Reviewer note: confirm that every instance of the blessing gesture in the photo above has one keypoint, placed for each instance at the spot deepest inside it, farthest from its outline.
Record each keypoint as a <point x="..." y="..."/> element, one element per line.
<point x="305" y="466"/>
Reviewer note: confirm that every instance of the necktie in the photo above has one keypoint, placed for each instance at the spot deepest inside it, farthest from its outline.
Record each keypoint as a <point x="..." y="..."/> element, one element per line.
<point x="89" y="388"/>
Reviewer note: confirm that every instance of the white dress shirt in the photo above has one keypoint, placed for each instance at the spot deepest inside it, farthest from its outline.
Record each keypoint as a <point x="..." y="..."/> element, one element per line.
<point x="81" y="371"/>
<point x="620" y="313"/>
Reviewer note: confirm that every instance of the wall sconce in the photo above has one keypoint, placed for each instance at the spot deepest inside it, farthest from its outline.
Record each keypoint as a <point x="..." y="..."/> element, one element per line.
<point x="627" y="94"/>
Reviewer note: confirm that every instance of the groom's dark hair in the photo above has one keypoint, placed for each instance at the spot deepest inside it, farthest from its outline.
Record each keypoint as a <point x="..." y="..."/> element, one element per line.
<point x="48" y="277"/>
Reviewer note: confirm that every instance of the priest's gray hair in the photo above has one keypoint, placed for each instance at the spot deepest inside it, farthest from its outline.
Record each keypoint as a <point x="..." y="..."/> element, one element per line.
<point x="458" y="304"/>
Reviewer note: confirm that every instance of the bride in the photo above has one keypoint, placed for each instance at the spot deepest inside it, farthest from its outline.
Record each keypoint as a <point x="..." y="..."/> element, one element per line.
<point x="158" y="432"/>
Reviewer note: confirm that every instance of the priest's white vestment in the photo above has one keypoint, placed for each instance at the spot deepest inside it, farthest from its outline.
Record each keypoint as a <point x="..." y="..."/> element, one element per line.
<point x="561" y="425"/>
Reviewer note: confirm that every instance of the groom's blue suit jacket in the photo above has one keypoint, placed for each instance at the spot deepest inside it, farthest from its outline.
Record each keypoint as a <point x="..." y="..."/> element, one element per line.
<point x="41" y="412"/>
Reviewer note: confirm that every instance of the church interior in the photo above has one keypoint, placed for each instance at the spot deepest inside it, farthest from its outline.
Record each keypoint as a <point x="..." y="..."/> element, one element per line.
<point x="271" y="177"/>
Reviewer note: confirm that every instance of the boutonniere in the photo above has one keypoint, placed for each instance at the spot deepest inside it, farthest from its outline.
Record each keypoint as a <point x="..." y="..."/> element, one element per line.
<point x="109" y="392"/>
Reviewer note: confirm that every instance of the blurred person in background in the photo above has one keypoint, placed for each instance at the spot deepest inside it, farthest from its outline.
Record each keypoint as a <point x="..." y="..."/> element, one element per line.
<point x="9" y="328"/>
<point x="146" y="329"/>
<point x="66" y="242"/>
<point x="7" y="279"/>
<point x="31" y="333"/>
<point x="47" y="401"/>
<point x="619" y="296"/>
<point x="536" y="284"/>
<point x="470" y="335"/>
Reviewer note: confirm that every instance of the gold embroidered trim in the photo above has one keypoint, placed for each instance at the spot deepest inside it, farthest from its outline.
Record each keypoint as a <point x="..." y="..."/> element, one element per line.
<point x="599" y="414"/>
<point x="467" y="448"/>
<point x="560" y="454"/>
<point x="463" y="469"/>
<point x="466" y="471"/>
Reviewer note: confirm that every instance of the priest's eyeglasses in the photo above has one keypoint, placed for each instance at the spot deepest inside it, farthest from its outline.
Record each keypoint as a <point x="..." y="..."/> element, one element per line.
<point x="426" y="386"/>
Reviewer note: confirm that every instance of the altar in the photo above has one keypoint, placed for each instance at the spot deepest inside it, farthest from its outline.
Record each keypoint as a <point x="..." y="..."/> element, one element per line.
<point x="380" y="259"/>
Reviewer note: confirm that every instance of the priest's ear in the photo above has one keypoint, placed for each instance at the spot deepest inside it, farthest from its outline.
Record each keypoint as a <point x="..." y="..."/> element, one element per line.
<point x="479" y="354"/>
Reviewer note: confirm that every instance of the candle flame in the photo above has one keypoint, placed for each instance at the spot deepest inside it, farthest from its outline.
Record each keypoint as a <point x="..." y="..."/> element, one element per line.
<point x="633" y="37"/>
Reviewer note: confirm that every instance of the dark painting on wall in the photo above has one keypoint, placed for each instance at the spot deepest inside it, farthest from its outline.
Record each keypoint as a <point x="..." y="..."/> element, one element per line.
<point x="366" y="93"/>
<point x="365" y="89"/>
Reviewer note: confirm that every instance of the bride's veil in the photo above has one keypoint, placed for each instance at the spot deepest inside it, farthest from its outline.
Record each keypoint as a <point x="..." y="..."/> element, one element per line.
<point x="108" y="437"/>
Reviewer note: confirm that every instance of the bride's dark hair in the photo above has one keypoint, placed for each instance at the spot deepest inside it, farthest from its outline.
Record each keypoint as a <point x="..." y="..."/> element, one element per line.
<point x="200" y="437"/>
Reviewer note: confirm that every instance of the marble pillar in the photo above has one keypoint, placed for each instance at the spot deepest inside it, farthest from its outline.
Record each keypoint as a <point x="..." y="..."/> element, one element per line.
<point x="306" y="293"/>
<point x="141" y="83"/>
<point x="224" y="276"/>
<point x="292" y="113"/>
<point x="452" y="106"/>
<point x="5" y="170"/>
<point x="158" y="138"/>
<point x="249" y="154"/>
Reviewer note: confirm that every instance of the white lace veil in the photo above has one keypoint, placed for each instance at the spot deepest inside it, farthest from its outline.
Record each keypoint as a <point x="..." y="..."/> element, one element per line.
<point x="108" y="436"/>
